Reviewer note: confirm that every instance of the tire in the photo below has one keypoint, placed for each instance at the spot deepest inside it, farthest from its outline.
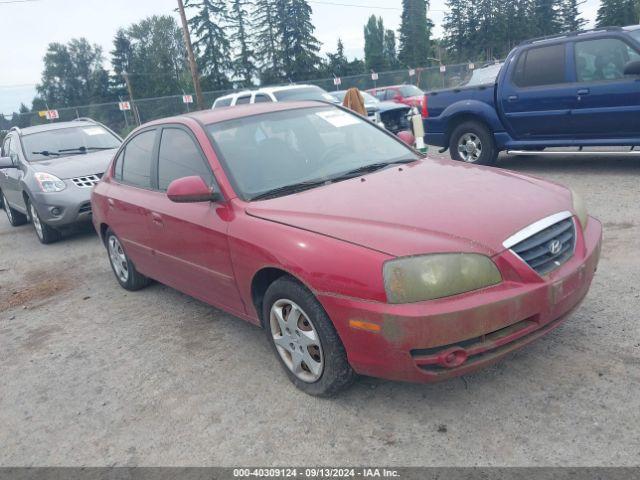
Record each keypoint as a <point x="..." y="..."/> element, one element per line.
<point x="15" y="217"/>
<point x="311" y="339"/>
<point x="471" y="142"/>
<point x="123" y="268"/>
<point x="45" y="233"/>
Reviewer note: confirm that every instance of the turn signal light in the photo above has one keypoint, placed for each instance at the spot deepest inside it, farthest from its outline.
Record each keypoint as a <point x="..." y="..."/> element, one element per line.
<point x="367" y="326"/>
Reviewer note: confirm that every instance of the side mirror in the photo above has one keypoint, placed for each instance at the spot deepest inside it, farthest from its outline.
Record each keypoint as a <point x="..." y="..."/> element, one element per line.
<point x="6" y="162"/>
<point x="632" y="68"/>
<point x="191" y="190"/>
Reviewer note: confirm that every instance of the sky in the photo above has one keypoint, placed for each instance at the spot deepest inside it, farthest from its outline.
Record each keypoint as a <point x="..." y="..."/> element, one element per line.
<point x="28" y="26"/>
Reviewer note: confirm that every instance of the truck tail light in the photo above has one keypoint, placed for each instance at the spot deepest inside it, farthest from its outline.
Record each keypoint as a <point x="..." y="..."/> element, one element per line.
<point x="425" y="106"/>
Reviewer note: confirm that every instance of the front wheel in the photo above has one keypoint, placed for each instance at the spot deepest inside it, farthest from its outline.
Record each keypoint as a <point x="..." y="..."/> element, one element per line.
<point x="304" y="340"/>
<point x="45" y="233"/>
<point x="471" y="142"/>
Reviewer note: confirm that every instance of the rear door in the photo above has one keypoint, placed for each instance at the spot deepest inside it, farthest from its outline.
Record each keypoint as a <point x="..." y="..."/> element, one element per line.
<point x="607" y="103"/>
<point x="131" y="198"/>
<point x="535" y="96"/>
<point x="189" y="240"/>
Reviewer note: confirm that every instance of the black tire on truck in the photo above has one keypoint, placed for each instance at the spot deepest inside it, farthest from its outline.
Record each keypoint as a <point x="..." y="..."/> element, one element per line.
<point x="472" y="142"/>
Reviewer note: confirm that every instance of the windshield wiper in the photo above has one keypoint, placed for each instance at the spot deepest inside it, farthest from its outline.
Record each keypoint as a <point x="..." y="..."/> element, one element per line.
<point x="289" y="189"/>
<point x="45" y="153"/>
<point x="84" y="149"/>
<point x="356" y="172"/>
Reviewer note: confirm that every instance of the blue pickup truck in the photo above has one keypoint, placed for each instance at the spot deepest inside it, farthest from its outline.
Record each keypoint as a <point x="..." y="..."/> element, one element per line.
<point x="579" y="89"/>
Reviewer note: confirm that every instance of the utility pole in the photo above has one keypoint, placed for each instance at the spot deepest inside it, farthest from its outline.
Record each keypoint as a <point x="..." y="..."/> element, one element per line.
<point x="192" y="58"/>
<point x="136" y="115"/>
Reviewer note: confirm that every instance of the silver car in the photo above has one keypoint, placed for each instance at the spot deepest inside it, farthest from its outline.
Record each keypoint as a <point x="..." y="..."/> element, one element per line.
<point x="47" y="173"/>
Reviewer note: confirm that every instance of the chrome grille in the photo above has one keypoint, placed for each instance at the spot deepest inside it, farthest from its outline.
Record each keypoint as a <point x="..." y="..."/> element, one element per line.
<point x="550" y="247"/>
<point x="87" y="181"/>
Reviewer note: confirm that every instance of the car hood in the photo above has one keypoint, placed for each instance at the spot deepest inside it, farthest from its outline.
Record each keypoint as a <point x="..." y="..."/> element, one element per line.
<point x="425" y="207"/>
<point x="391" y="106"/>
<point x="76" y="165"/>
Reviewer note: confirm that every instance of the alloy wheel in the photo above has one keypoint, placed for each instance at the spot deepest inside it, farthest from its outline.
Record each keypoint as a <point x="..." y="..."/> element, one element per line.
<point x="470" y="147"/>
<point x="36" y="221"/>
<point x="297" y="340"/>
<point x="118" y="259"/>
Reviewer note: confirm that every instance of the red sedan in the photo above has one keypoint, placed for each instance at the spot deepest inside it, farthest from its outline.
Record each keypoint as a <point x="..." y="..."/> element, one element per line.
<point x="405" y="94"/>
<point x="353" y="252"/>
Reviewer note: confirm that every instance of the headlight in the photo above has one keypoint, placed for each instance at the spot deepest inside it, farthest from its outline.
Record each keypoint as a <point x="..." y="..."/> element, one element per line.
<point x="580" y="209"/>
<point x="49" y="183"/>
<point x="415" y="279"/>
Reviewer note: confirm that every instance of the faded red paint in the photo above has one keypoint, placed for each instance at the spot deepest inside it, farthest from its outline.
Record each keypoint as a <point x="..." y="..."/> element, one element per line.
<point x="335" y="239"/>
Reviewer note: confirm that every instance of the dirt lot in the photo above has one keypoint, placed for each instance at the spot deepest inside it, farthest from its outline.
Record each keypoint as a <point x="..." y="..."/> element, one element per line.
<point x="92" y="375"/>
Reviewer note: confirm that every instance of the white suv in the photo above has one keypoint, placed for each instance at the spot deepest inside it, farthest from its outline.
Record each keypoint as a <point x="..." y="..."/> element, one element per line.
<point x="274" y="94"/>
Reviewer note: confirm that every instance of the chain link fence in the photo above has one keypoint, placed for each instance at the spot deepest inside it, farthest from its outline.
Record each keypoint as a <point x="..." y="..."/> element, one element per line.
<point x="148" y="109"/>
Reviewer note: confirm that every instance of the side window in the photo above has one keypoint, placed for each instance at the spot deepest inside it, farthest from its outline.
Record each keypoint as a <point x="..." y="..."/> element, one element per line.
<point x="391" y="94"/>
<point x="380" y="94"/>
<point x="180" y="157"/>
<point x="541" y="66"/>
<point x="136" y="164"/>
<point x="243" y="100"/>
<point x="117" y="167"/>
<point x="260" y="98"/>
<point x="602" y="59"/>
<point x="225" y="102"/>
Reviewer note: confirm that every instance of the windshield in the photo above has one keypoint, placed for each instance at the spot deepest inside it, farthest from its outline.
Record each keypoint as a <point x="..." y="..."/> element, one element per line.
<point x="52" y="144"/>
<point x="635" y="34"/>
<point x="303" y="93"/>
<point x="410" y="91"/>
<point x="484" y="76"/>
<point x="265" y="152"/>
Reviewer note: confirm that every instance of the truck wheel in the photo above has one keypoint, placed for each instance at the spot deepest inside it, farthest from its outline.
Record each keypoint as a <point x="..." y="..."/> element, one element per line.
<point x="471" y="142"/>
<point x="305" y="340"/>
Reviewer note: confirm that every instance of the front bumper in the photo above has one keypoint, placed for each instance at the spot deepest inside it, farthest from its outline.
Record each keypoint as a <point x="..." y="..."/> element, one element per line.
<point x="58" y="209"/>
<point x="440" y="339"/>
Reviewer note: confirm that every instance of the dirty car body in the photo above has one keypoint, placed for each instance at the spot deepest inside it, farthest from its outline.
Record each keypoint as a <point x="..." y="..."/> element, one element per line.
<point x="427" y="269"/>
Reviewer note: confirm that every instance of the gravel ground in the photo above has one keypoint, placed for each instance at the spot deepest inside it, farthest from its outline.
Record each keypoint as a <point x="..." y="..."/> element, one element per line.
<point x="93" y="375"/>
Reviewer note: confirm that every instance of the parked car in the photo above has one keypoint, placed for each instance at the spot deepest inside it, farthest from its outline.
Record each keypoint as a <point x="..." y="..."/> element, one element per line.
<point x="47" y="173"/>
<point x="406" y="94"/>
<point x="275" y="214"/>
<point x="572" y="90"/>
<point x="274" y="95"/>
<point x="390" y="115"/>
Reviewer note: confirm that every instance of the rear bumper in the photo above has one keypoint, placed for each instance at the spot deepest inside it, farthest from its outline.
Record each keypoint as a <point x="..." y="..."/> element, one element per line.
<point x="440" y="339"/>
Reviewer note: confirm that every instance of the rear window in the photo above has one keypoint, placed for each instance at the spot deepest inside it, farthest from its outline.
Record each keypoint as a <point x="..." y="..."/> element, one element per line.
<point x="410" y="91"/>
<point x="303" y="93"/>
<point x="223" y="102"/>
<point x="541" y="66"/>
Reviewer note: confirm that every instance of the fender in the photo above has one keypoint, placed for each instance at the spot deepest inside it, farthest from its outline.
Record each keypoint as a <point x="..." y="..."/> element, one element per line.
<point x="472" y="108"/>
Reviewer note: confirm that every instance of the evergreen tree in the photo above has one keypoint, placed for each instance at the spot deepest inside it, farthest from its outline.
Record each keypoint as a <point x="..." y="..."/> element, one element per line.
<point x="546" y="17"/>
<point x="266" y="40"/>
<point x="207" y="26"/>
<point x="390" y="51"/>
<point x="570" y="16"/>
<point x="243" y="66"/>
<point x="415" y="31"/>
<point x="299" y="47"/>
<point x="617" y="13"/>
<point x="457" y="36"/>
<point x="374" y="57"/>
<point x="120" y="61"/>
<point x="337" y="63"/>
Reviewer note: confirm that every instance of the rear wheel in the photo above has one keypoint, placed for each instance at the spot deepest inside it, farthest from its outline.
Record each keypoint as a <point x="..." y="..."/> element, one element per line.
<point x="471" y="142"/>
<point x="15" y="217"/>
<point x="45" y="233"/>
<point x="125" y="271"/>
<point x="305" y="340"/>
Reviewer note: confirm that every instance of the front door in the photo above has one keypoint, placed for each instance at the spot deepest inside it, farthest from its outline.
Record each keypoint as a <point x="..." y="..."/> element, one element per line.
<point x="536" y="97"/>
<point x="189" y="240"/>
<point x="10" y="177"/>
<point x="607" y="102"/>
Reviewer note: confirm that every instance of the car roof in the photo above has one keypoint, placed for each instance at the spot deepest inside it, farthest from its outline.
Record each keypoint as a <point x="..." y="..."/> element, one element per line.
<point x="264" y="90"/>
<point x="56" y="126"/>
<point x="209" y="117"/>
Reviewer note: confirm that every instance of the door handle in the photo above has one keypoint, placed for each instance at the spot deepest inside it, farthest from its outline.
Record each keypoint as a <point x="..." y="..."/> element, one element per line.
<point x="156" y="218"/>
<point x="512" y="98"/>
<point x="583" y="91"/>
